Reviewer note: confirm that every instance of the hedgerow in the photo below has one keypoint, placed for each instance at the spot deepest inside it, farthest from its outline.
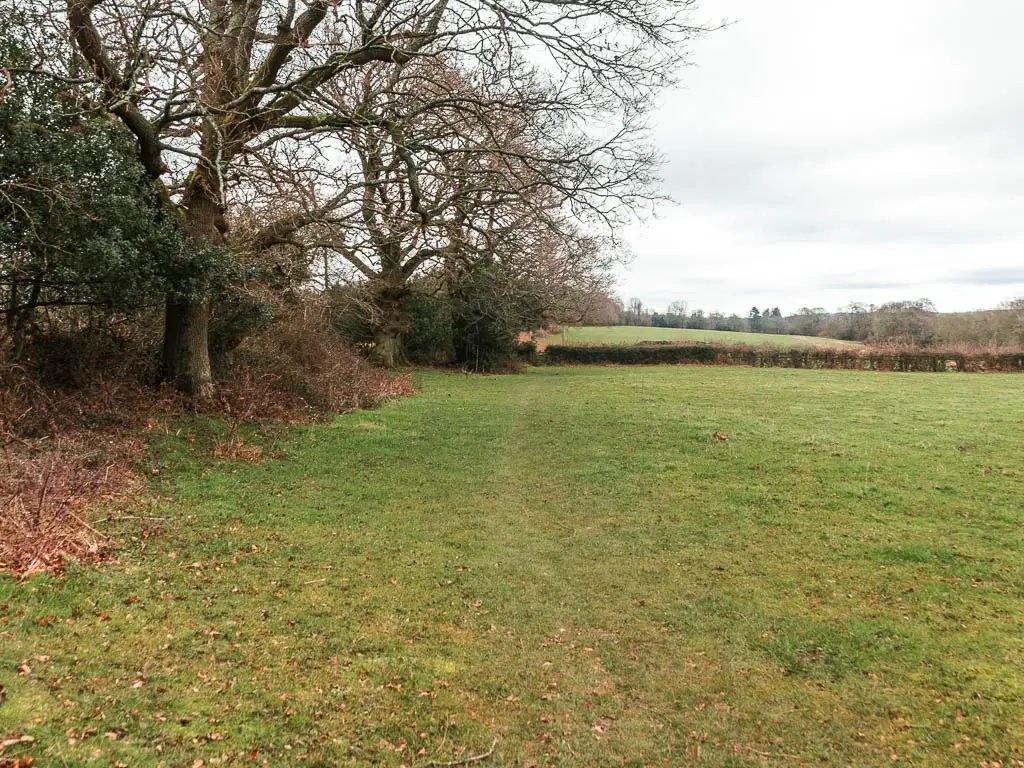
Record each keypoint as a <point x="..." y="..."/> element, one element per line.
<point x="777" y="357"/>
<point x="629" y="355"/>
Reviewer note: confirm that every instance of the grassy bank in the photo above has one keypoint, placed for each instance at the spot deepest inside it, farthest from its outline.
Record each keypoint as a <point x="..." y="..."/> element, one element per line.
<point x="570" y="562"/>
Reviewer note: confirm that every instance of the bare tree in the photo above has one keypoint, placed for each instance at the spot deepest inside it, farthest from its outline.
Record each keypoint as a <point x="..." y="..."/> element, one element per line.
<point x="462" y="171"/>
<point x="457" y="170"/>
<point x="677" y="307"/>
<point x="203" y="84"/>
<point x="1016" y="309"/>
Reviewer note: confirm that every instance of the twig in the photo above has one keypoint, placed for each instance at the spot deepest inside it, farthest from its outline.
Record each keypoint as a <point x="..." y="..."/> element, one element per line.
<point x="103" y="536"/>
<point x="653" y="711"/>
<point x="444" y="739"/>
<point x="564" y="527"/>
<point x="314" y="581"/>
<point x="8" y="84"/>
<point x="468" y="760"/>
<point x="12" y="742"/>
<point x="46" y="484"/>
<point x="773" y="754"/>
<point x="11" y="439"/>
<point x="127" y="517"/>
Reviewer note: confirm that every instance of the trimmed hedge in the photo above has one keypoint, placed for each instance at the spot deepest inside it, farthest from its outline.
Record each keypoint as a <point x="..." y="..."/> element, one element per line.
<point x="780" y="357"/>
<point x="631" y="355"/>
<point x="869" y="360"/>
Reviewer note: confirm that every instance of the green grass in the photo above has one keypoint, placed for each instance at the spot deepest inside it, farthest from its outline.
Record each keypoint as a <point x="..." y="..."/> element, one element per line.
<point x="569" y="562"/>
<point x="624" y="334"/>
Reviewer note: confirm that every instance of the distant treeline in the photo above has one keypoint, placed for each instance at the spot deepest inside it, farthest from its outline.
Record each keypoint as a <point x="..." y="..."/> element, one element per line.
<point x="909" y="323"/>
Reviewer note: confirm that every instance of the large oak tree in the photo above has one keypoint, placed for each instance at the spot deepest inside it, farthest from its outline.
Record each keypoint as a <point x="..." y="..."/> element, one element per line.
<point x="203" y="84"/>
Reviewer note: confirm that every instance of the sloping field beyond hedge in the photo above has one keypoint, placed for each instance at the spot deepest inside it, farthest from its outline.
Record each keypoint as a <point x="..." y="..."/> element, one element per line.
<point x="775" y="357"/>
<point x="631" y="334"/>
<point x="568" y="565"/>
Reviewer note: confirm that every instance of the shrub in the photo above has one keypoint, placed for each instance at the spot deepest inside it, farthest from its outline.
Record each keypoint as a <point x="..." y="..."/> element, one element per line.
<point x="238" y="315"/>
<point x="525" y="351"/>
<point x="430" y="339"/>
<point x="350" y="314"/>
<point x="630" y="355"/>
<point x="491" y="306"/>
<point x="81" y="225"/>
<point x="45" y="496"/>
<point x="301" y="366"/>
<point x="76" y="360"/>
<point x="65" y="452"/>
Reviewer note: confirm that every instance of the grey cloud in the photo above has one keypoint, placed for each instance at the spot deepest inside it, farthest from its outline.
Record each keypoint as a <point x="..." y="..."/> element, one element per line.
<point x="869" y="229"/>
<point x="788" y="148"/>
<point x="860" y="283"/>
<point x="990" y="276"/>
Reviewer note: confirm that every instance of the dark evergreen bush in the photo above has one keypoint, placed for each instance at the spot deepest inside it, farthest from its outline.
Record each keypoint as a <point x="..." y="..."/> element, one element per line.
<point x="630" y="355"/>
<point x="490" y="308"/>
<point x="430" y="339"/>
<point x="526" y="351"/>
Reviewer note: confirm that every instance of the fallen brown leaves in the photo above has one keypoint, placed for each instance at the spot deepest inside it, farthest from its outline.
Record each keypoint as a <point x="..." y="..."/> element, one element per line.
<point x="237" y="449"/>
<point x="300" y="368"/>
<point x="66" y="453"/>
<point x="13" y="741"/>
<point x="54" y="470"/>
<point x="45" y="500"/>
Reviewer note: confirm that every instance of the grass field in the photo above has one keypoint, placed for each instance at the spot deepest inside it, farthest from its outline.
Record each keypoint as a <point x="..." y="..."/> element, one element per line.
<point x="567" y="562"/>
<point x="623" y="334"/>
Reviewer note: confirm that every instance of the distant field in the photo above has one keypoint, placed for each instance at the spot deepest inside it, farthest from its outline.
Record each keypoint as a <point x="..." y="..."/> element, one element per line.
<point x="622" y="334"/>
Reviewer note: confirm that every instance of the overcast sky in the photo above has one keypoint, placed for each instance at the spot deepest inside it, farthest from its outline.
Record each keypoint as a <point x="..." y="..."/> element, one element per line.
<point x="824" y="152"/>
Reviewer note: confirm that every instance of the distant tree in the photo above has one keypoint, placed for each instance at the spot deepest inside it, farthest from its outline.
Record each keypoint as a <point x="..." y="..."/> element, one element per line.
<point x="675" y="315"/>
<point x="635" y="314"/>
<point x="991" y="330"/>
<point x="677" y="308"/>
<point x="697" y="320"/>
<point x="770" y="323"/>
<point x="1016" y="308"/>
<point x="808" y="321"/>
<point x="602" y="309"/>
<point x="754" y="320"/>
<point x="856" y="322"/>
<point x="904" y="322"/>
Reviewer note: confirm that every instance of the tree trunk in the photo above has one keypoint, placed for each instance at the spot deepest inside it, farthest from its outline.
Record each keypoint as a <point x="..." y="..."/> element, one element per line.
<point x="186" y="346"/>
<point x="18" y="317"/>
<point x="389" y="349"/>
<point x="187" y="320"/>
<point x="391" y="322"/>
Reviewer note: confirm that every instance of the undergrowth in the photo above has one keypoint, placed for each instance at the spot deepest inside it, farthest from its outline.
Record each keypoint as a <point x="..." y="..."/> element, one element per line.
<point x="77" y="418"/>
